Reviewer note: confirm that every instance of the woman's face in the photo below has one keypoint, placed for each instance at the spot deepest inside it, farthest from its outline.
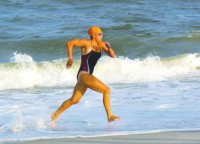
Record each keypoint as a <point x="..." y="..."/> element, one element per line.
<point x="98" y="37"/>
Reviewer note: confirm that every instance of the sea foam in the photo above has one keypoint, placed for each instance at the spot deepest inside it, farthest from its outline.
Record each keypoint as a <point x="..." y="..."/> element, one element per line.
<point x="24" y="72"/>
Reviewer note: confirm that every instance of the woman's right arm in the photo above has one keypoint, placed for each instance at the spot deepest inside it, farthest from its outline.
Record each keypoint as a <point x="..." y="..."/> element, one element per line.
<point x="70" y="45"/>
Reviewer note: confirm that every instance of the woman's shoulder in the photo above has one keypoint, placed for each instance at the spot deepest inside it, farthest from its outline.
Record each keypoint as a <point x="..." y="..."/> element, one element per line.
<point x="80" y="41"/>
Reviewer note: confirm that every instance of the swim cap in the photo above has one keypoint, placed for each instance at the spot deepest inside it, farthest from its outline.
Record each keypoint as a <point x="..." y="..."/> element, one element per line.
<point x="94" y="30"/>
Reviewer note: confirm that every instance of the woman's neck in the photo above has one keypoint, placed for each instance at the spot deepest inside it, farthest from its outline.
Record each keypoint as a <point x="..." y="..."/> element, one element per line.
<point x="95" y="45"/>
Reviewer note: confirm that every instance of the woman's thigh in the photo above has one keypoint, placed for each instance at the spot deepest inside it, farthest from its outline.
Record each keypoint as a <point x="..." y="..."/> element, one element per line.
<point x="92" y="82"/>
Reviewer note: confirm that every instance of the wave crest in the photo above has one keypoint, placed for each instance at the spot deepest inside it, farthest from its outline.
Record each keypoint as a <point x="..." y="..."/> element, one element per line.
<point x="24" y="72"/>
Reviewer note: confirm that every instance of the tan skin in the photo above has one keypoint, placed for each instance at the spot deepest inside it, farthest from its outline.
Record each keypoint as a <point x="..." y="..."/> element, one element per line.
<point x="86" y="80"/>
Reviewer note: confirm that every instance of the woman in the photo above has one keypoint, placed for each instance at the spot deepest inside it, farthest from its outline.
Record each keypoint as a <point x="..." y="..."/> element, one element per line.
<point x="90" y="53"/>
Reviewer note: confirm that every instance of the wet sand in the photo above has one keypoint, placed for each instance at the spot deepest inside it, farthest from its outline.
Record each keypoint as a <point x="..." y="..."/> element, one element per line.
<point x="177" y="137"/>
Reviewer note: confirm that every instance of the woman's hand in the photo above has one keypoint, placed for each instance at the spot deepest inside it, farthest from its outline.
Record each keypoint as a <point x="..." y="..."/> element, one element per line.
<point x="69" y="63"/>
<point x="107" y="45"/>
<point x="108" y="50"/>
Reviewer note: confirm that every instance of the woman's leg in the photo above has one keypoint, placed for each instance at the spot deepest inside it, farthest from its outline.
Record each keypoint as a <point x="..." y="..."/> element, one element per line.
<point x="93" y="83"/>
<point x="79" y="90"/>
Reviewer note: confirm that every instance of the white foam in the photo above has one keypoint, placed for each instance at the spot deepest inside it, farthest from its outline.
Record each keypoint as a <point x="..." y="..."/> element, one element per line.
<point x="41" y="123"/>
<point x="166" y="106"/>
<point x="18" y="58"/>
<point x="17" y="124"/>
<point x="152" y="68"/>
<point x="24" y="72"/>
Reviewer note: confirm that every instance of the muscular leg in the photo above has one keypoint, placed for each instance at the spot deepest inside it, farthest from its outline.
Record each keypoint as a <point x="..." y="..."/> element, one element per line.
<point x="93" y="83"/>
<point x="79" y="90"/>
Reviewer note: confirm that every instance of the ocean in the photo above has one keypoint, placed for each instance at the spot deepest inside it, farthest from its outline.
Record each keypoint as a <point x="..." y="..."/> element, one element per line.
<point x="154" y="78"/>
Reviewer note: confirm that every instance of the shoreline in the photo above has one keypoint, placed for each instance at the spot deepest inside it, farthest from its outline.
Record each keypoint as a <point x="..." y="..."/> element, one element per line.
<point x="169" y="137"/>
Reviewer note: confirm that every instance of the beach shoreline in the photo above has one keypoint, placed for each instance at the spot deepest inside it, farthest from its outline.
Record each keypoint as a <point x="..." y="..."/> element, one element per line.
<point x="170" y="137"/>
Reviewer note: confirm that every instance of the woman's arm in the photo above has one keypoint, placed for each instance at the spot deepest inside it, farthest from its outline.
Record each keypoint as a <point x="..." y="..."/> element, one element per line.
<point x="70" y="45"/>
<point x="108" y="50"/>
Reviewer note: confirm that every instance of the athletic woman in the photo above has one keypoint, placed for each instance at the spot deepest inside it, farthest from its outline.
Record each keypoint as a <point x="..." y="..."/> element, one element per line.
<point x="90" y="53"/>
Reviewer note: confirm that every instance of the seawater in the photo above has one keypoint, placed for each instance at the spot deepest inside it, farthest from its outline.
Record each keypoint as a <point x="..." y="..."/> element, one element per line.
<point x="154" y="78"/>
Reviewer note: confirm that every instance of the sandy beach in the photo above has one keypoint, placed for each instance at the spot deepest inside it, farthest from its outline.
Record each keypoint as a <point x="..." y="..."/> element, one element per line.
<point x="183" y="137"/>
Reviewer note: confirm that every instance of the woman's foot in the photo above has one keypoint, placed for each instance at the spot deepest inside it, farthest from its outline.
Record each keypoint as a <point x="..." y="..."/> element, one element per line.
<point x="54" y="119"/>
<point x="113" y="118"/>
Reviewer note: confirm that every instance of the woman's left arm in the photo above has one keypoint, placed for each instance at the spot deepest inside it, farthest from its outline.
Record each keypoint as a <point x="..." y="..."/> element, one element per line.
<point x="108" y="50"/>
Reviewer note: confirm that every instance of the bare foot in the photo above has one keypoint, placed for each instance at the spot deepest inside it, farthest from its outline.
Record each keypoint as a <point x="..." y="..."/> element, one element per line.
<point x="54" y="119"/>
<point x="113" y="118"/>
<point x="53" y="124"/>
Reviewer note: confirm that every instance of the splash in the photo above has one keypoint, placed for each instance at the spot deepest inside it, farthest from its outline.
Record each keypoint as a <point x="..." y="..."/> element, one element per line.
<point x="19" y="58"/>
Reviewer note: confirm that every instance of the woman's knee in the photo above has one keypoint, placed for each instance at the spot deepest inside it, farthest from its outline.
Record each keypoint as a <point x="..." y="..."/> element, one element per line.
<point x="107" y="90"/>
<point x="74" y="100"/>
